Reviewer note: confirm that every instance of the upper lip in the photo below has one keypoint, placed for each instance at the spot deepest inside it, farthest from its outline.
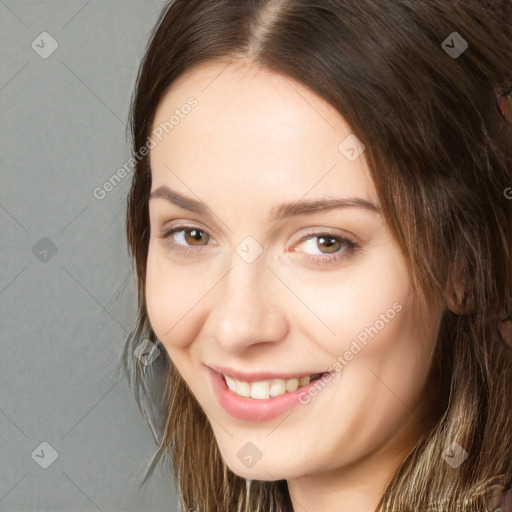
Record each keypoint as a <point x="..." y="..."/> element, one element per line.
<point x="257" y="376"/>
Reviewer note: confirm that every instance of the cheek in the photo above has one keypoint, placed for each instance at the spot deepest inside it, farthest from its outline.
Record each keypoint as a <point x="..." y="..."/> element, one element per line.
<point x="373" y="313"/>
<point x="366" y="303"/>
<point x="382" y="383"/>
<point x="376" y="395"/>
<point x="385" y="374"/>
<point x="173" y="300"/>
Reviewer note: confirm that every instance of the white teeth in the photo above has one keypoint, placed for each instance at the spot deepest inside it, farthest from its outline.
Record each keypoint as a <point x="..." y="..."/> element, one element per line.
<point x="243" y="389"/>
<point x="264" y="389"/>
<point x="292" y="384"/>
<point x="260" y="389"/>
<point x="278" y="387"/>
<point x="303" y="381"/>
<point x="231" y="383"/>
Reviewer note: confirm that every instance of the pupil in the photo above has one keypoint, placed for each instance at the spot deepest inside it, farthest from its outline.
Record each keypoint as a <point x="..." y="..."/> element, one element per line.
<point x="195" y="235"/>
<point x="331" y="243"/>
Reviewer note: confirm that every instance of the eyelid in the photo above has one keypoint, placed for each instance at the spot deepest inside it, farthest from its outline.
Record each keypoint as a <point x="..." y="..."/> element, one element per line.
<point x="302" y="236"/>
<point x="320" y="230"/>
<point x="324" y="260"/>
<point x="183" y="225"/>
<point x="167" y="232"/>
<point x="320" y="261"/>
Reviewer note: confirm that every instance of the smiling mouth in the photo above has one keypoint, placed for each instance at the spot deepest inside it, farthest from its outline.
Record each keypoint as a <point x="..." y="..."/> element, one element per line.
<point x="265" y="389"/>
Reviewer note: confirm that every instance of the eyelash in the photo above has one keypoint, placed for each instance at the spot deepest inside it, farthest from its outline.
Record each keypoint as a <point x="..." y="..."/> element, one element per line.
<point x="320" y="261"/>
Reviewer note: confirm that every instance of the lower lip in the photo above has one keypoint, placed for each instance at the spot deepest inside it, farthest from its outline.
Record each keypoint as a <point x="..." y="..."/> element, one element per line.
<point x="251" y="409"/>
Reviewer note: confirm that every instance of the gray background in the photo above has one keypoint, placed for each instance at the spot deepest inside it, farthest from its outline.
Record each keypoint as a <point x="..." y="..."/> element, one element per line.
<point x="66" y="312"/>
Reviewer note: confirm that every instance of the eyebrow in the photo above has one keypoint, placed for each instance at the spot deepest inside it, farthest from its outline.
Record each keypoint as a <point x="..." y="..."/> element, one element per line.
<point x="282" y="211"/>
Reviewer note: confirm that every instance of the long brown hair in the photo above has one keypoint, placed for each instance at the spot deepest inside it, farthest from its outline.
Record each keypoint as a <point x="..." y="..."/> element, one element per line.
<point x="440" y="157"/>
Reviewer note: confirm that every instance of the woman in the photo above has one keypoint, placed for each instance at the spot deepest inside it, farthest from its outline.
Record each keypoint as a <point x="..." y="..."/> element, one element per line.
<point x="322" y="247"/>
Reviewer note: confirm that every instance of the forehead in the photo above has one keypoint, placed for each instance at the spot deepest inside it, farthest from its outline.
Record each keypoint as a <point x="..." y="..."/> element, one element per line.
<point x="253" y="129"/>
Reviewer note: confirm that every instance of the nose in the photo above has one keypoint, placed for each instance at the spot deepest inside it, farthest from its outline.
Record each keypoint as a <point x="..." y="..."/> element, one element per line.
<point x="248" y="308"/>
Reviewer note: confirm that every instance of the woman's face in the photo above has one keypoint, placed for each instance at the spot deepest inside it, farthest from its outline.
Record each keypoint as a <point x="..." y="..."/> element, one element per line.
<point x="246" y="287"/>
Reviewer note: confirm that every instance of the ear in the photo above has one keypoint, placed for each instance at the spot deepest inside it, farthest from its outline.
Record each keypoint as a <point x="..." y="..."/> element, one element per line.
<point x="505" y="331"/>
<point x="459" y="297"/>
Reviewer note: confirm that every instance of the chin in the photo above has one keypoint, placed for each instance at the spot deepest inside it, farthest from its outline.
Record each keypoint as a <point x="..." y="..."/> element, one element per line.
<point x="264" y="470"/>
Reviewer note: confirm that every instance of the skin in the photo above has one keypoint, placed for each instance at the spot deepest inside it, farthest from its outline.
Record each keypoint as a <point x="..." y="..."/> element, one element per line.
<point x="255" y="140"/>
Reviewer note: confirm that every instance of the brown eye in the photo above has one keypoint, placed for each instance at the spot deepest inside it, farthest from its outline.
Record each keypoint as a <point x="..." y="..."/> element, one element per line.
<point x="194" y="236"/>
<point x="187" y="238"/>
<point x="331" y="244"/>
<point x="326" y="243"/>
<point x="324" y="249"/>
